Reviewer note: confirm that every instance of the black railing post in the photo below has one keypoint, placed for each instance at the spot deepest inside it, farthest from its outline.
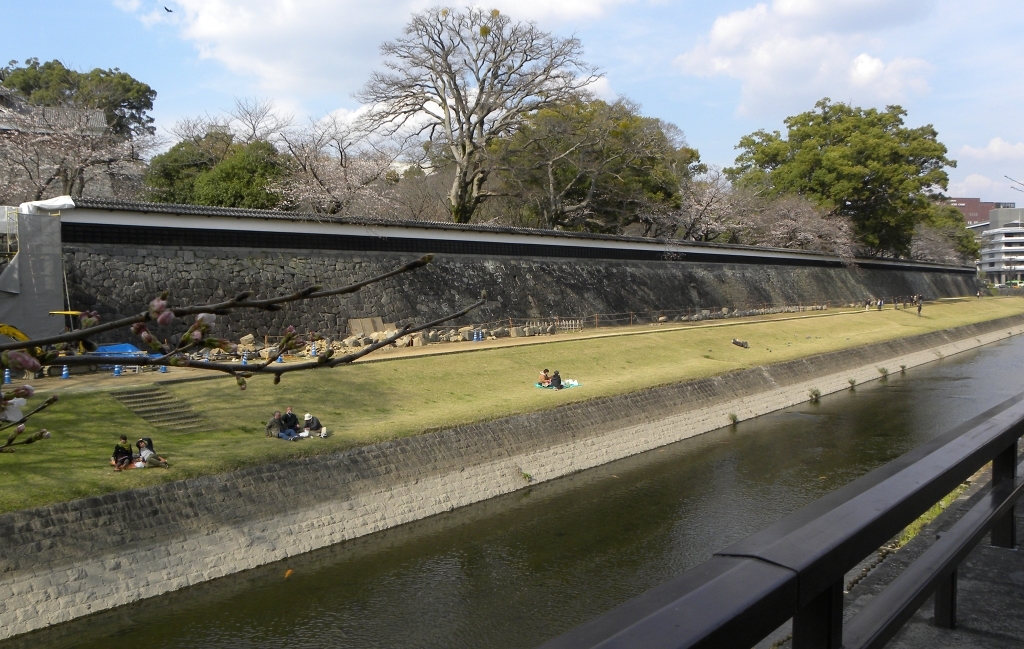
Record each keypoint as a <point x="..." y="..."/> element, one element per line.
<point x="819" y="624"/>
<point x="945" y="602"/>
<point x="1004" y="467"/>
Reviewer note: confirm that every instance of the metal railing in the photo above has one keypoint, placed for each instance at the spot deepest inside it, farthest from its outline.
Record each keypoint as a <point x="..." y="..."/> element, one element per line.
<point x="795" y="568"/>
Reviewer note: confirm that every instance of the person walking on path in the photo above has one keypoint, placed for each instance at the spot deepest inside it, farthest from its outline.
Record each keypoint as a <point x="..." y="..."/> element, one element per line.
<point x="919" y="308"/>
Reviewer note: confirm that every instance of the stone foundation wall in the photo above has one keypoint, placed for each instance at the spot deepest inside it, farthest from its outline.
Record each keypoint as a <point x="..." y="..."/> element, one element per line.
<point x="118" y="280"/>
<point x="68" y="560"/>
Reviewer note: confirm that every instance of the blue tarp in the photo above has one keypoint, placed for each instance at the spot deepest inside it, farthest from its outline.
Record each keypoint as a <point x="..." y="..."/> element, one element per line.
<point x="118" y="349"/>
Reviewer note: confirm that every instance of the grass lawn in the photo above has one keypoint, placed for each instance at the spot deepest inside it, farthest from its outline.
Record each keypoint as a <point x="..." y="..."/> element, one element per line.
<point x="369" y="402"/>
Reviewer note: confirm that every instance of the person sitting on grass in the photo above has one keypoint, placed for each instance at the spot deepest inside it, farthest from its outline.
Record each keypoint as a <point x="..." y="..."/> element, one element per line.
<point x="275" y="425"/>
<point x="545" y="378"/>
<point x="290" y="420"/>
<point x="276" y="428"/>
<point x="122" y="457"/>
<point x="148" y="456"/>
<point x="556" y="381"/>
<point x="312" y="426"/>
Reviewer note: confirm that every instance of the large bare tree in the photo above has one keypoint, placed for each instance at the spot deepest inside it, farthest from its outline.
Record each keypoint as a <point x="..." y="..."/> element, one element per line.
<point x="466" y="78"/>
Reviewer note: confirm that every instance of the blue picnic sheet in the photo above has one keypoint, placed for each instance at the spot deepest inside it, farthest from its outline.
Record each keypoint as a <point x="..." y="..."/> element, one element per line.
<point x="565" y="386"/>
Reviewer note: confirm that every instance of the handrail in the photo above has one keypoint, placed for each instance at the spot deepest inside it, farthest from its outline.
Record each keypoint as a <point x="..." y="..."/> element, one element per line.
<point x="795" y="567"/>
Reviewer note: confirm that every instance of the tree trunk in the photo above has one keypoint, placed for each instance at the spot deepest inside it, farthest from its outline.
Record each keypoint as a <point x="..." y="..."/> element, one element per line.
<point x="464" y="196"/>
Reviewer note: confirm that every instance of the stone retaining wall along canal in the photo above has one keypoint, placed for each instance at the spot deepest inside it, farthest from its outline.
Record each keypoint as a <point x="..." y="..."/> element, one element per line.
<point x="68" y="560"/>
<point x="117" y="256"/>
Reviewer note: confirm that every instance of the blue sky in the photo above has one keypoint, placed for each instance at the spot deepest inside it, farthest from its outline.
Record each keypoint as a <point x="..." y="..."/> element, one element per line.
<point x="718" y="70"/>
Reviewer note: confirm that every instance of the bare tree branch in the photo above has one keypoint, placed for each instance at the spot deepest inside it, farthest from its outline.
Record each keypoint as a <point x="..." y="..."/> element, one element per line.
<point x="466" y="78"/>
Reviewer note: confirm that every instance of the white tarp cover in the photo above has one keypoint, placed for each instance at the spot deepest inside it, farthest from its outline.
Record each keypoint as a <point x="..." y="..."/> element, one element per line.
<point x="32" y="283"/>
<point x="49" y="205"/>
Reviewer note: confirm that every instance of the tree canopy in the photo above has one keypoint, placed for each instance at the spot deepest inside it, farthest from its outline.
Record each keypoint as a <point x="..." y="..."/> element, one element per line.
<point x="861" y="163"/>
<point x="214" y="170"/>
<point x="124" y="100"/>
<point x="593" y="165"/>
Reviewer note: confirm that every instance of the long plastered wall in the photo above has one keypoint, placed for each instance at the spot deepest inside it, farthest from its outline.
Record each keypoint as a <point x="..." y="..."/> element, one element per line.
<point x="69" y="560"/>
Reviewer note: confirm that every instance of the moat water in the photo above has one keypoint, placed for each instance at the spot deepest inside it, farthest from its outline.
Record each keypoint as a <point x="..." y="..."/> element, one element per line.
<point x="518" y="570"/>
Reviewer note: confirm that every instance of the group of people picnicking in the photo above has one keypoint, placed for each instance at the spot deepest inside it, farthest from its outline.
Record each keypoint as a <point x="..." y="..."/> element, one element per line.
<point x="288" y="427"/>
<point x="907" y="301"/>
<point x="554" y="381"/>
<point x="125" y="458"/>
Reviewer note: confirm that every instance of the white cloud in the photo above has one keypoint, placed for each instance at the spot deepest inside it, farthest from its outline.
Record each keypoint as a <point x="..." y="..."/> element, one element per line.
<point x="795" y="51"/>
<point x="295" y="50"/>
<point x="602" y="89"/>
<point x="996" y="149"/>
<point x="974" y="185"/>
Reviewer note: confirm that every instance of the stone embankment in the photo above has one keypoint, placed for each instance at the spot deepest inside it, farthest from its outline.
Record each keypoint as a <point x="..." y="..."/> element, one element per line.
<point x="68" y="560"/>
<point x="118" y="280"/>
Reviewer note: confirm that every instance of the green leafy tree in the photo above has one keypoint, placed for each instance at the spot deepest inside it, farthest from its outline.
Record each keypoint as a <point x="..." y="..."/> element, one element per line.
<point x="124" y="100"/>
<point x="172" y="175"/>
<point x="864" y="164"/>
<point x="214" y="170"/>
<point x="951" y="223"/>
<point x="593" y="165"/>
<point x="243" y="179"/>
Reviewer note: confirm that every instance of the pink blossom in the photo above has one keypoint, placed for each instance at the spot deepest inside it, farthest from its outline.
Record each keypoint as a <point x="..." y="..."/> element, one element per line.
<point x="165" y="318"/>
<point x="156" y="307"/>
<point x="197" y="336"/>
<point x="205" y="319"/>
<point x="89" y="319"/>
<point x="20" y="361"/>
<point x="138" y="328"/>
<point x="25" y="391"/>
<point x="20" y="429"/>
<point x="289" y="330"/>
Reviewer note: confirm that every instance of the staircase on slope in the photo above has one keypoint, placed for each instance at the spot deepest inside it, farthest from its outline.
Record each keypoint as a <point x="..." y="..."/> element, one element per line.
<point x="160" y="408"/>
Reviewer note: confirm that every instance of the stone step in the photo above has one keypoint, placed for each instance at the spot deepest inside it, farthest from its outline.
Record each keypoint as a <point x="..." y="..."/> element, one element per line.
<point x="144" y="401"/>
<point x="160" y="408"/>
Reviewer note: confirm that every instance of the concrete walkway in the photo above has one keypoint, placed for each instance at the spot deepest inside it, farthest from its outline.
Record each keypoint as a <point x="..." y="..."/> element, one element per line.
<point x="990" y="593"/>
<point x="990" y="596"/>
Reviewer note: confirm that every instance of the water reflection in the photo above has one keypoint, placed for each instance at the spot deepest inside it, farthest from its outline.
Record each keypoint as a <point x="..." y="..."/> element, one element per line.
<point x="517" y="570"/>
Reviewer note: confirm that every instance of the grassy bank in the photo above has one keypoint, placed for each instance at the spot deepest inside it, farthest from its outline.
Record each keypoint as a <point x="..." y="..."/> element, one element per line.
<point x="369" y="402"/>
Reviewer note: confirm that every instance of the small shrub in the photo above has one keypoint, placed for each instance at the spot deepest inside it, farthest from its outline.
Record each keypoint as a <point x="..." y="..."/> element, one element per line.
<point x="815" y="395"/>
<point x="733" y="418"/>
<point x="526" y="476"/>
<point x="852" y="382"/>
<point x="884" y="372"/>
<point x="903" y="369"/>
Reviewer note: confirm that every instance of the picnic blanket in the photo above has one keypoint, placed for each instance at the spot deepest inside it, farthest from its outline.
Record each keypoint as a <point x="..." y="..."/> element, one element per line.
<point x="566" y="384"/>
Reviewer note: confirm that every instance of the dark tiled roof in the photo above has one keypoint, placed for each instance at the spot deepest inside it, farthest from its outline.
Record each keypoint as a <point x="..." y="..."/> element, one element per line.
<point x="279" y="215"/>
<point x="203" y="210"/>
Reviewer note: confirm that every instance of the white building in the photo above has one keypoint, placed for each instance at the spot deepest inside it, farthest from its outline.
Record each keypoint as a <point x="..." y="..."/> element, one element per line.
<point x="1002" y="246"/>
